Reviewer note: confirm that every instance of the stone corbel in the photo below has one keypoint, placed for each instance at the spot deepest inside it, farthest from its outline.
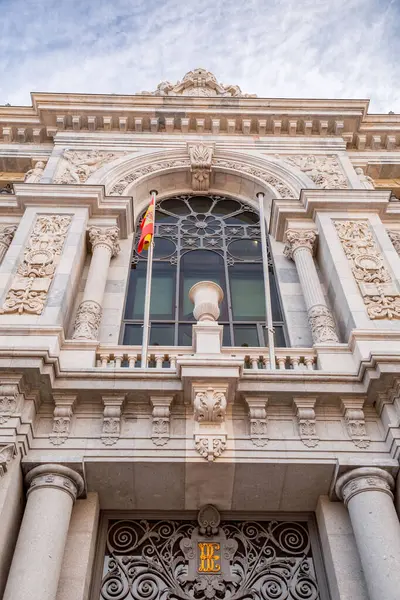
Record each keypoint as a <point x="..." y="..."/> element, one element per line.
<point x="258" y="420"/>
<point x="210" y="434"/>
<point x="8" y="401"/>
<point x="111" y="429"/>
<point x="160" y="419"/>
<point x="305" y="414"/>
<point x="7" y="453"/>
<point x="200" y="156"/>
<point x="352" y="410"/>
<point x="62" y="418"/>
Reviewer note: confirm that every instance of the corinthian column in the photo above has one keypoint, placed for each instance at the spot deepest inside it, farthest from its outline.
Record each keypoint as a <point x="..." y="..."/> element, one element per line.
<point x="6" y="237"/>
<point x="36" y="565"/>
<point x="367" y="493"/>
<point x="105" y="245"/>
<point x="300" y="246"/>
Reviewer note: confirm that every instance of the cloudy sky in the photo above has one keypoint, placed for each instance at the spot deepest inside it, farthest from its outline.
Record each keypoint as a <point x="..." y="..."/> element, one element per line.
<point x="274" y="48"/>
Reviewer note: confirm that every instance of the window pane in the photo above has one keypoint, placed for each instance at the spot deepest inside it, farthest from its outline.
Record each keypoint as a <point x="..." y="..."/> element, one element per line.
<point x="245" y="217"/>
<point x="246" y="335"/>
<point x="279" y="336"/>
<point x="200" y="204"/>
<point x="200" y="265"/>
<point x="133" y="335"/>
<point x="276" y="306"/>
<point x="245" y="249"/>
<point x="162" y="334"/>
<point x="185" y="335"/>
<point x="162" y="304"/>
<point x="162" y="217"/>
<point x="225" y="207"/>
<point x="163" y="247"/>
<point x="247" y="291"/>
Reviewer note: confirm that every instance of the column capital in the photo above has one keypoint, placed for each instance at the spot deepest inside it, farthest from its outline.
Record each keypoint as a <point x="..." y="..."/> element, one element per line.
<point x="300" y="238"/>
<point x="364" y="479"/>
<point x="55" y="476"/>
<point x="107" y="237"/>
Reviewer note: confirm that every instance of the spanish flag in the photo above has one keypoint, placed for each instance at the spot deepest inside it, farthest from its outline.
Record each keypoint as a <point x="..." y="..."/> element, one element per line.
<point x="147" y="226"/>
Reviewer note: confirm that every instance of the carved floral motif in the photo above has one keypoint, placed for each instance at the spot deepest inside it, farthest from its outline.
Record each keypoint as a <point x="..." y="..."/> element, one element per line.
<point x="209" y="414"/>
<point x="111" y="428"/>
<point x="258" y="420"/>
<point x="210" y="406"/>
<point x="200" y="166"/>
<point x="8" y="401"/>
<point x="29" y="289"/>
<point x="198" y="82"/>
<point x="105" y="236"/>
<point x="380" y="293"/>
<point x="324" y="171"/>
<point x="160" y="419"/>
<point x="306" y="421"/>
<point x="78" y="166"/>
<point x="299" y="238"/>
<point x="62" y="419"/>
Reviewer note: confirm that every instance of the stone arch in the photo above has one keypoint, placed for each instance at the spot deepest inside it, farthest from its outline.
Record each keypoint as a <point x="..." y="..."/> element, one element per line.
<point x="232" y="173"/>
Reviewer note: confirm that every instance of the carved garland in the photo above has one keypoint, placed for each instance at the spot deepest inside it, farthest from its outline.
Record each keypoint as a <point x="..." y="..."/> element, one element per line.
<point x="380" y="292"/>
<point x="29" y="289"/>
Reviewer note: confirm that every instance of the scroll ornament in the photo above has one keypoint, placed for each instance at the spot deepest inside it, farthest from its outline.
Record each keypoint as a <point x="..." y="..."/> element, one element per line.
<point x="380" y="292"/>
<point x="29" y="289"/>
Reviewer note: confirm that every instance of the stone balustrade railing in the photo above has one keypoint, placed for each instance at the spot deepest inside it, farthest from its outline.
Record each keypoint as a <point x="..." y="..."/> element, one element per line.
<point x="129" y="357"/>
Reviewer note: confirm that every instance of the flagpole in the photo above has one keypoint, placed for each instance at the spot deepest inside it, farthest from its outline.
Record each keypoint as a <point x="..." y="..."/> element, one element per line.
<point x="267" y="288"/>
<point x="147" y="296"/>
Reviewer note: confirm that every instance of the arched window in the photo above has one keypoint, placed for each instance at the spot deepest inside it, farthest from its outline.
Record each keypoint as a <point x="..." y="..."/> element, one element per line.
<point x="202" y="238"/>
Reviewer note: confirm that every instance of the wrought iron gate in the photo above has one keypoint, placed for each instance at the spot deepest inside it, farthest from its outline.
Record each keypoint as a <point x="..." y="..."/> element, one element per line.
<point x="208" y="559"/>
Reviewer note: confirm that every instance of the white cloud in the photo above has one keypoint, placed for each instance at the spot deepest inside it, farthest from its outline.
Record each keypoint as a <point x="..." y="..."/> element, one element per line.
<point x="289" y="48"/>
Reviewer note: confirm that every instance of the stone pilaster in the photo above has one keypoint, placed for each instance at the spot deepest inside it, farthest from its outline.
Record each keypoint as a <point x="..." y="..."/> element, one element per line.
<point x="367" y="493"/>
<point x="300" y="247"/>
<point x="104" y="242"/>
<point x="36" y="565"/>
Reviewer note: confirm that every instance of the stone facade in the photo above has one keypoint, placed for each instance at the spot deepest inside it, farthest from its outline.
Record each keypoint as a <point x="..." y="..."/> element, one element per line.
<point x="88" y="434"/>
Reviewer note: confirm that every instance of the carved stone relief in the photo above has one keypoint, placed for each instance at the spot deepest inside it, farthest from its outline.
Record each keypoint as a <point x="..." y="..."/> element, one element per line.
<point x="200" y="166"/>
<point x="7" y="233"/>
<point x="29" y="289"/>
<point x="198" y="82"/>
<point x="395" y="239"/>
<point x="8" y="401"/>
<point x="34" y="175"/>
<point x="366" y="181"/>
<point x="305" y="414"/>
<point x="324" y="171"/>
<point x="380" y="292"/>
<point x="355" y="421"/>
<point x="62" y="418"/>
<point x="322" y="324"/>
<point x="258" y="420"/>
<point x="78" y="166"/>
<point x="209" y="414"/>
<point x="160" y="433"/>
<point x="111" y="428"/>
<point x="7" y="453"/>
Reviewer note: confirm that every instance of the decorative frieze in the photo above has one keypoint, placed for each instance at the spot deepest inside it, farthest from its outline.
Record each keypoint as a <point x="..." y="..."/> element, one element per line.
<point x="160" y="419"/>
<point x="209" y="414"/>
<point x="78" y="165"/>
<point x="324" y="171"/>
<point x="111" y="428"/>
<point x="62" y="418"/>
<point x="380" y="292"/>
<point x="200" y="166"/>
<point x="258" y="420"/>
<point x="8" y="401"/>
<point x="305" y="414"/>
<point x="7" y="453"/>
<point x="355" y="421"/>
<point x="29" y="289"/>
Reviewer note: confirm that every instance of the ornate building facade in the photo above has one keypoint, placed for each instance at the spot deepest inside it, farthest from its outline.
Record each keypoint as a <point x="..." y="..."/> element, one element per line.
<point x="219" y="469"/>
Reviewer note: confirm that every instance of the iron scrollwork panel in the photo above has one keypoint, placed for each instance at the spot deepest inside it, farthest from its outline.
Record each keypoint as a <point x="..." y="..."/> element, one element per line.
<point x="182" y="560"/>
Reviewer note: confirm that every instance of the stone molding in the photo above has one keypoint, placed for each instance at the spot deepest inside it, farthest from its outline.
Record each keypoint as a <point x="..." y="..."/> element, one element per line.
<point x="364" y="479"/>
<point x="7" y="453"/>
<point x="62" y="418"/>
<point x="209" y="406"/>
<point x="355" y="421"/>
<point x="305" y="414"/>
<point x="200" y="156"/>
<point x="160" y="427"/>
<point x="87" y="321"/>
<point x="111" y="428"/>
<point x="297" y="239"/>
<point x="106" y="237"/>
<point x="258" y="420"/>
<point x="379" y="290"/>
<point x="8" y="401"/>
<point x="56" y="477"/>
<point x="29" y="289"/>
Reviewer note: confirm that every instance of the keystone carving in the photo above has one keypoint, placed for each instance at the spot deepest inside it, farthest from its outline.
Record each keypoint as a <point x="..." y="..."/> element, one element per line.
<point x="306" y="421"/>
<point x="78" y="166"/>
<point x="258" y="420"/>
<point x="355" y="421"/>
<point x="160" y="434"/>
<point x="29" y="289"/>
<point x="324" y="171"/>
<point x="380" y="292"/>
<point x="8" y="402"/>
<point x="62" y="418"/>
<point x="111" y="429"/>
<point x="7" y="453"/>
<point x="209" y="414"/>
<point x="200" y="166"/>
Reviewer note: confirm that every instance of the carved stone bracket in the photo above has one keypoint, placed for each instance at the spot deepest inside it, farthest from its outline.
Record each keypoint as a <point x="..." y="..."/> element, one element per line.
<point x="7" y="453"/>
<point x="355" y="421"/>
<point x="305" y="414"/>
<point x="8" y="401"/>
<point x="300" y="238"/>
<point x="200" y="166"/>
<point x="258" y="420"/>
<point x="29" y="289"/>
<point x="160" y="419"/>
<point x="111" y="429"/>
<point x="62" y="418"/>
<point x="380" y="292"/>
<point x="209" y="415"/>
